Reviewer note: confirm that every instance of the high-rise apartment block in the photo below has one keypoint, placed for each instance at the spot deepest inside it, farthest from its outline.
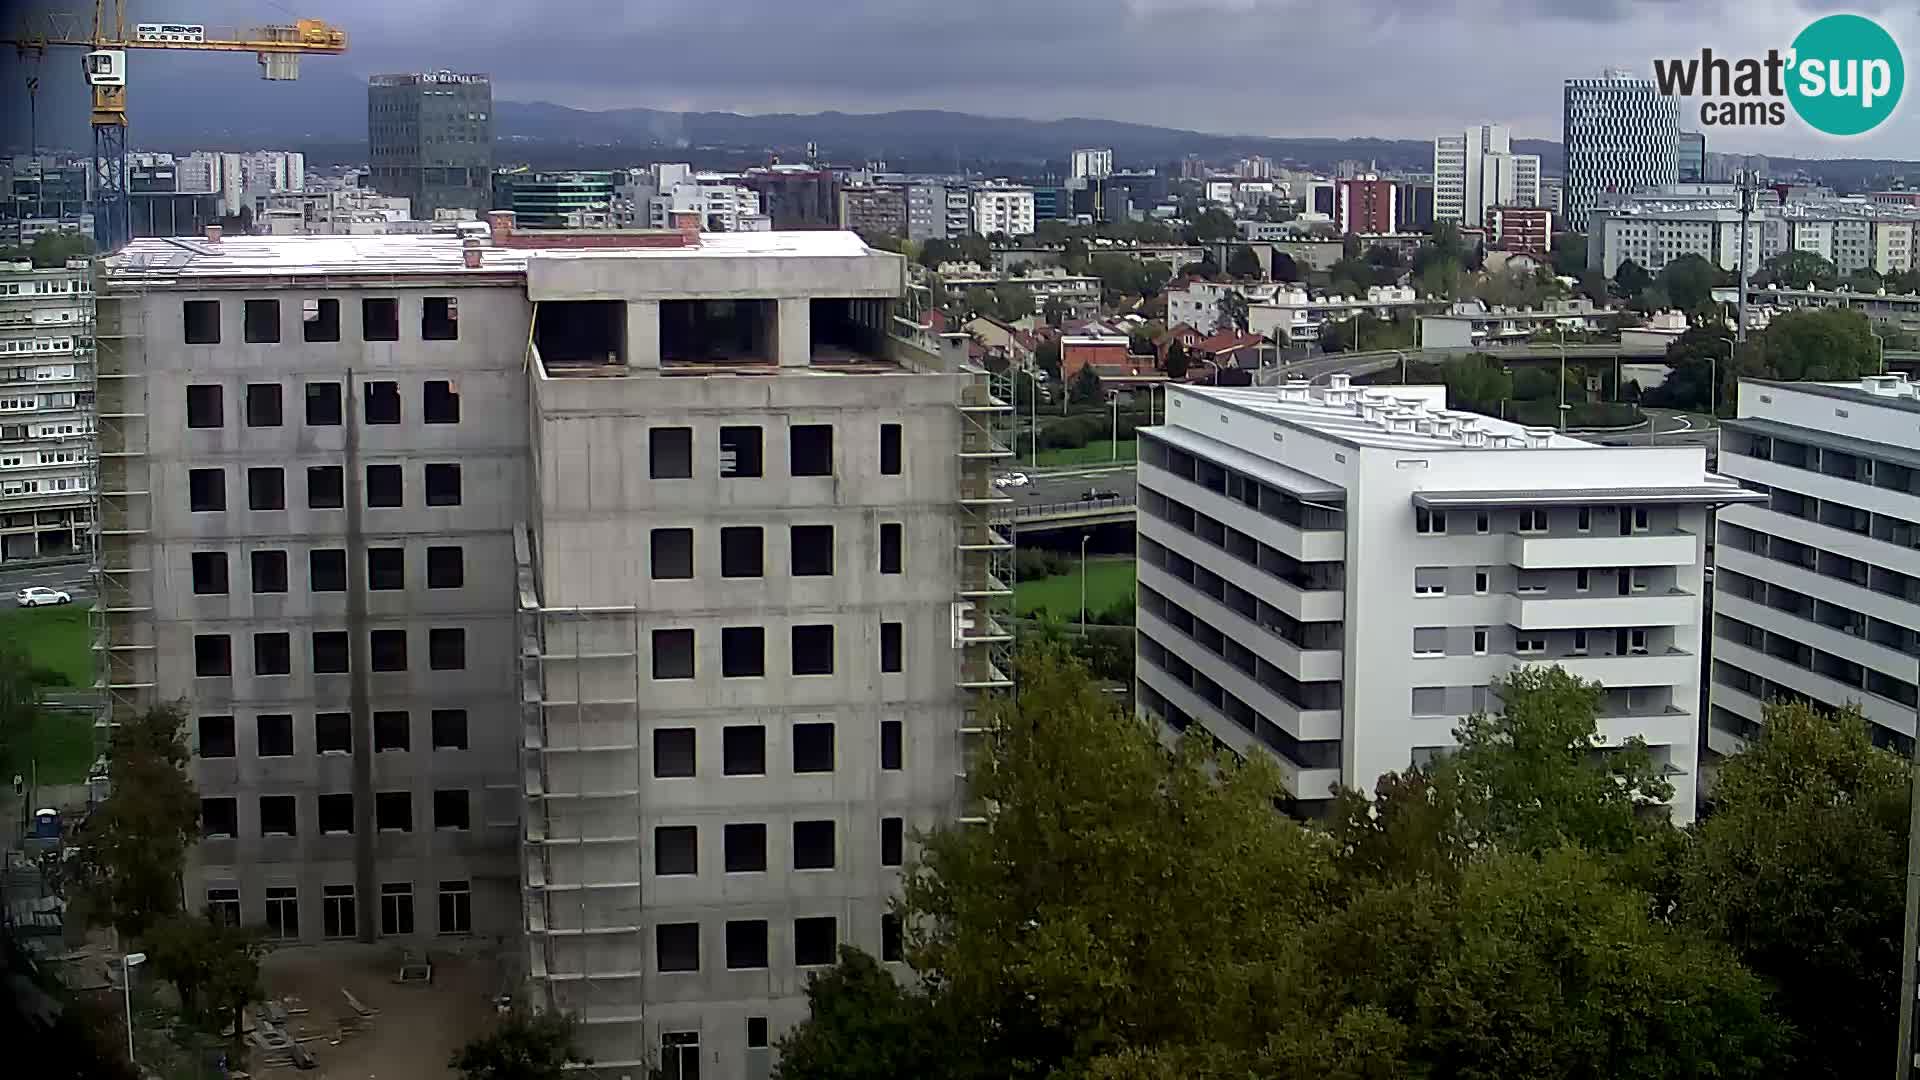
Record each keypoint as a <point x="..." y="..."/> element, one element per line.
<point x="1366" y="205"/>
<point x="1621" y="136"/>
<point x="1478" y="169"/>
<point x="1092" y="164"/>
<point x="46" y="409"/>
<point x="1337" y="575"/>
<point x="625" y="594"/>
<point x="1693" y="157"/>
<point x="1817" y="584"/>
<point x="430" y="137"/>
<point x="1003" y="208"/>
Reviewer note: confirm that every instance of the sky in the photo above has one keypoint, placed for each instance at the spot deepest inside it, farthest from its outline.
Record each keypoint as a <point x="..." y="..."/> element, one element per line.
<point x="1387" y="68"/>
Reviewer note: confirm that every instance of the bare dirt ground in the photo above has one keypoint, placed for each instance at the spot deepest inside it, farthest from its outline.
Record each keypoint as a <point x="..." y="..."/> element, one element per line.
<point x="417" y="1028"/>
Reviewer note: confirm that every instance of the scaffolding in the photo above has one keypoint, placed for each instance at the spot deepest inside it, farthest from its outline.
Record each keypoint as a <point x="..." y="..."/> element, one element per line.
<point x="983" y="602"/>
<point x="119" y="623"/>
<point x="581" y="869"/>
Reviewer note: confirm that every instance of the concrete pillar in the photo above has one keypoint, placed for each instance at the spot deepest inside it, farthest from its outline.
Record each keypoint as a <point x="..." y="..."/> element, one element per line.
<point x="794" y="327"/>
<point x="643" y="334"/>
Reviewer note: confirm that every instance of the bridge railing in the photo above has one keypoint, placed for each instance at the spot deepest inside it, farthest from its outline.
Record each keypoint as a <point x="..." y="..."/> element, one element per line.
<point x="1073" y="506"/>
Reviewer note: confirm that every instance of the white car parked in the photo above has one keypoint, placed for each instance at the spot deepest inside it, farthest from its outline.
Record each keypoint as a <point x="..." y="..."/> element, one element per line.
<point x="1012" y="479"/>
<point x="38" y="596"/>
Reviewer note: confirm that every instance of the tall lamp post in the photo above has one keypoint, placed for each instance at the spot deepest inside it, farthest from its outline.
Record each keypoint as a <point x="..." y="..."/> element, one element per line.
<point x="1713" y="392"/>
<point x="1882" y="343"/>
<point x="1114" y="396"/>
<point x="1084" y="537"/>
<point x="1560" y="332"/>
<point x="127" y="964"/>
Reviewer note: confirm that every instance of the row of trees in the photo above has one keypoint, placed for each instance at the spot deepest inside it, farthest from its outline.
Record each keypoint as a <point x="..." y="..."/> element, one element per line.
<point x="1819" y="344"/>
<point x="1516" y="909"/>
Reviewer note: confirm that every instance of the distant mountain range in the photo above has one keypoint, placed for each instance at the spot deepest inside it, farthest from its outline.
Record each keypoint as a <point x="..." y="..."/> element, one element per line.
<point x="176" y="105"/>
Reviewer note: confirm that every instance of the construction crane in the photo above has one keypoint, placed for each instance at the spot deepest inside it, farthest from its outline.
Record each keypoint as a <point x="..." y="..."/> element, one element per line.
<point x="279" y="48"/>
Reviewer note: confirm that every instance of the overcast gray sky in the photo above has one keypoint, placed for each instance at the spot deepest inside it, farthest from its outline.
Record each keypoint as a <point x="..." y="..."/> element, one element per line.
<point x="1390" y="68"/>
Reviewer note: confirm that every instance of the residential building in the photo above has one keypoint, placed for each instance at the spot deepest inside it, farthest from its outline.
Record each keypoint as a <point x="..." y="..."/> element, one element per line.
<point x="1254" y="168"/>
<point x="1472" y="324"/>
<point x="927" y="212"/>
<point x="1478" y="169"/>
<point x="1521" y="228"/>
<point x="1663" y="223"/>
<point x="1413" y="205"/>
<point x="1895" y="198"/>
<point x="870" y="210"/>
<point x="796" y="196"/>
<point x="1621" y="135"/>
<point x="557" y="630"/>
<point x="1295" y="315"/>
<point x="718" y="202"/>
<point x="1693" y="157"/>
<point x="1092" y="164"/>
<point x="430" y="139"/>
<point x="1003" y="208"/>
<point x="1338" y="575"/>
<point x="46" y="410"/>
<point x="1817" y="583"/>
<point x="1053" y="203"/>
<point x="1553" y="195"/>
<point x="1080" y="292"/>
<point x="1366" y="204"/>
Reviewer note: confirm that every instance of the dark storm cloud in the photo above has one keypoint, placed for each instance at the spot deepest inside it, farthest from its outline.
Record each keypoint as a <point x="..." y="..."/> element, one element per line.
<point x="1381" y="67"/>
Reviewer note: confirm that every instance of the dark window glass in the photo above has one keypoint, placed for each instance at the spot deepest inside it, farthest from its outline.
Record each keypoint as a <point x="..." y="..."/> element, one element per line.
<point x="446" y="568"/>
<point x="890" y="449"/>
<point x="273" y="735"/>
<point x="670" y="453"/>
<point x="262" y="321"/>
<point x="813" y="845"/>
<point x="740" y="452"/>
<point x="209" y="573"/>
<point x="813" y="649"/>
<point x="447" y="648"/>
<point x="742" y="552"/>
<point x="393" y="811"/>
<point x="744" y="750"/>
<point x="383" y="402"/>
<point x="441" y="402"/>
<point x="326" y="487"/>
<point x="202" y="318"/>
<point x="449" y="729"/>
<point x="450" y="810"/>
<point x="746" y="846"/>
<point x="269" y="571"/>
<point x="327" y="570"/>
<point x="890" y="547"/>
<point x="743" y="652"/>
<point x="220" y="817"/>
<point x="673" y="654"/>
<point x="439" y="319"/>
<point x="323" y="404"/>
<point x="812" y="550"/>
<point x="810" y="449"/>
<point x="320" y="319"/>
<point x="333" y="733"/>
<point x="746" y="944"/>
<point x="890" y="737"/>
<point x="212" y="655"/>
<point x="813" y="748"/>
<point x="336" y="814"/>
<point x="380" y="318"/>
<point x="389" y="650"/>
<point x="392" y="730"/>
<point x="273" y="653"/>
<point x="384" y="487"/>
<point x="892" y="646"/>
<point x="263" y="405"/>
<point x="386" y="568"/>
<point x="678" y="945"/>
<point x="672" y="554"/>
<point x="815" y="941"/>
<point x="676" y="850"/>
<point x="207" y="489"/>
<point x="216" y="736"/>
<point x="204" y="406"/>
<point x="892" y="841"/>
<point x="329" y="651"/>
<point x="673" y="752"/>
<point x="278" y="816"/>
<point x="443" y="485"/>
<point x="266" y="489"/>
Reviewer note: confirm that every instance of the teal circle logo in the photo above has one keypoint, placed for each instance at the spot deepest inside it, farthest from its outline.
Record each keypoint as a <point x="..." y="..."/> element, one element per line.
<point x="1846" y="75"/>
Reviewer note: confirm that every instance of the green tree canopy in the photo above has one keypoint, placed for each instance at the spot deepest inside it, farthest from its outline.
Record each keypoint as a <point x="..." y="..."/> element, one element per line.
<point x="214" y="967"/>
<point x="1799" y="269"/>
<point x="1689" y="281"/>
<point x="130" y="849"/>
<point x="1176" y="362"/>
<point x="52" y="250"/>
<point x="1243" y="263"/>
<point x="1631" y="278"/>
<point x="1820" y="344"/>
<point x="1213" y="224"/>
<point x="1284" y="268"/>
<point x="1800" y="867"/>
<point x="1569" y="255"/>
<point x="528" y="1045"/>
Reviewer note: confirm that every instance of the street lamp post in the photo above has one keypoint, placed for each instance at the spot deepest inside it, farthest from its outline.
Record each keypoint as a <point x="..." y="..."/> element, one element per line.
<point x="1713" y="391"/>
<point x="1561" y="333"/>
<point x="127" y="964"/>
<point x="1033" y="420"/>
<point x="1084" y="537"/>
<point x="1882" y="343"/>
<point x="1115" y="442"/>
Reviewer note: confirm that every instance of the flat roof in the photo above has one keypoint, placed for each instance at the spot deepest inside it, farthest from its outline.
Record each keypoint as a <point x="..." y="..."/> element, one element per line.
<point x="1899" y="455"/>
<point x="1299" y="484"/>
<point x="1341" y="422"/>
<point x="432" y="254"/>
<point x="1847" y="391"/>
<point x="1707" y="491"/>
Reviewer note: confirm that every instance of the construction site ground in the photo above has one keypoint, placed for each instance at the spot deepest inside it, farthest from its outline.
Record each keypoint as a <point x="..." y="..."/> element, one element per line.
<point x="411" y="1030"/>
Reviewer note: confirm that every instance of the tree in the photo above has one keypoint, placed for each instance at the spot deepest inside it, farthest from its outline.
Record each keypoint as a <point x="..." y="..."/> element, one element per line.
<point x="129" y="851"/>
<point x="1800" y="270"/>
<point x="214" y="967"/>
<point x="1074" y="257"/>
<point x="1056" y="311"/>
<point x="1631" y="279"/>
<point x="982" y="300"/>
<point x="1821" y="344"/>
<point x="528" y="1045"/>
<point x="1689" y="281"/>
<point x="1213" y="225"/>
<point x="1176" y="362"/>
<point x="1233" y="311"/>
<point x="1477" y="382"/>
<point x="1046" y="356"/>
<point x="1800" y="868"/>
<point x="862" y="1025"/>
<point x="1284" y="268"/>
<point x="51" y="250"/>
<point x="936" y="251"/>
<point x="1050" y="931"/>
<point x="1863" y="280"/>
<point x="1243" y="263"/>
<point x="1013" y="302"/>
<point x="1086" y="386"/>
<point x="1533" y="775"/>
<point x="1569" y="255"/>
<point x="1693" y="360"/>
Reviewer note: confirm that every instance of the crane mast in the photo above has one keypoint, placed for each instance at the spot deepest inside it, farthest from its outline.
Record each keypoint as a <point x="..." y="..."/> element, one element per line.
<point x="278" y="48"/>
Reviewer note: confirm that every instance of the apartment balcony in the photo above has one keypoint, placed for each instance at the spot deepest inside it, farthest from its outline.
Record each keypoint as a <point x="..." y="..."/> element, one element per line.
<point x="1823" y="485"/>
<point x="1845" y="643"/>
<point x="1305" y="724"/>
<point x="1292" y="597"/>
<point x="1886" y="712"/>
<point x="1307" y="665"/>
<point x="1303" y="781"/>
<point x="1531" y="612"/>
<point x="1670" y="668"/>
<point x="1531" y="552"/>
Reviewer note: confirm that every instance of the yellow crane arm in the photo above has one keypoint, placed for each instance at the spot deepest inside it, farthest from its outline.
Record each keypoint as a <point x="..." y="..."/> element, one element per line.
<point x="311" y="37"/>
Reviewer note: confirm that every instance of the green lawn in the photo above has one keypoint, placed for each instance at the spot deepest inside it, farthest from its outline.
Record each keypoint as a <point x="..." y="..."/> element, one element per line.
<point x="1109" y="578"/>
<point x="61" y="742"/>
<point x="54" y="637"/>
<point x="1097" y="452"/>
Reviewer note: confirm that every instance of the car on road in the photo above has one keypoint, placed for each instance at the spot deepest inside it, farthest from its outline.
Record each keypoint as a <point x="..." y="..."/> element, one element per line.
<point x="40" y="595"/>
<point x="1098" y="494"/>
<point x="1012" y="479"/>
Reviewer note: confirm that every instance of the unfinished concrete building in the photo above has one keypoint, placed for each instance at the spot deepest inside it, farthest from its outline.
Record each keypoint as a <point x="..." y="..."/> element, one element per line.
<point x="728" y="594"/>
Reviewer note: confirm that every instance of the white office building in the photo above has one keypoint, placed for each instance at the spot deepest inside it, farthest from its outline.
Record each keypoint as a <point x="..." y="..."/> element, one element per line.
<point x="46" y="409"/>
<point x="1478" y="169"/>
<point x="1002" y="209"/>
<point x="1817" y="585"/>
<point x="1621" y="135"/>
<point x="1338" y="575"/>
<point x="721" y="204"/>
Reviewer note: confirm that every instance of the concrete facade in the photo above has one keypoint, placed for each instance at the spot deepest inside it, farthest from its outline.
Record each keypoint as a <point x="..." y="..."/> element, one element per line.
<point x="1817" y="587"/>
<point x="1337" y="576"/>
<point x="46" y="410"/>
<point x="724" y="615"/>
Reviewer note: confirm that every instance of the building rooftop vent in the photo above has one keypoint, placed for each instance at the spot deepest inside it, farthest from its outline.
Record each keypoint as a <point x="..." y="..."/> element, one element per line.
<point x="1537" y="437"/>
<point x="1472" y="437"/>
<point x="1893" y="385"/>
<point x="1339" y="380"/>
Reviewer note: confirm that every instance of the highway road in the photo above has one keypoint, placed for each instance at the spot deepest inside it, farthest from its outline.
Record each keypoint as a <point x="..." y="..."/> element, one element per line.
<point x="73" y="577"/>
<point x="1071" y="484"/>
